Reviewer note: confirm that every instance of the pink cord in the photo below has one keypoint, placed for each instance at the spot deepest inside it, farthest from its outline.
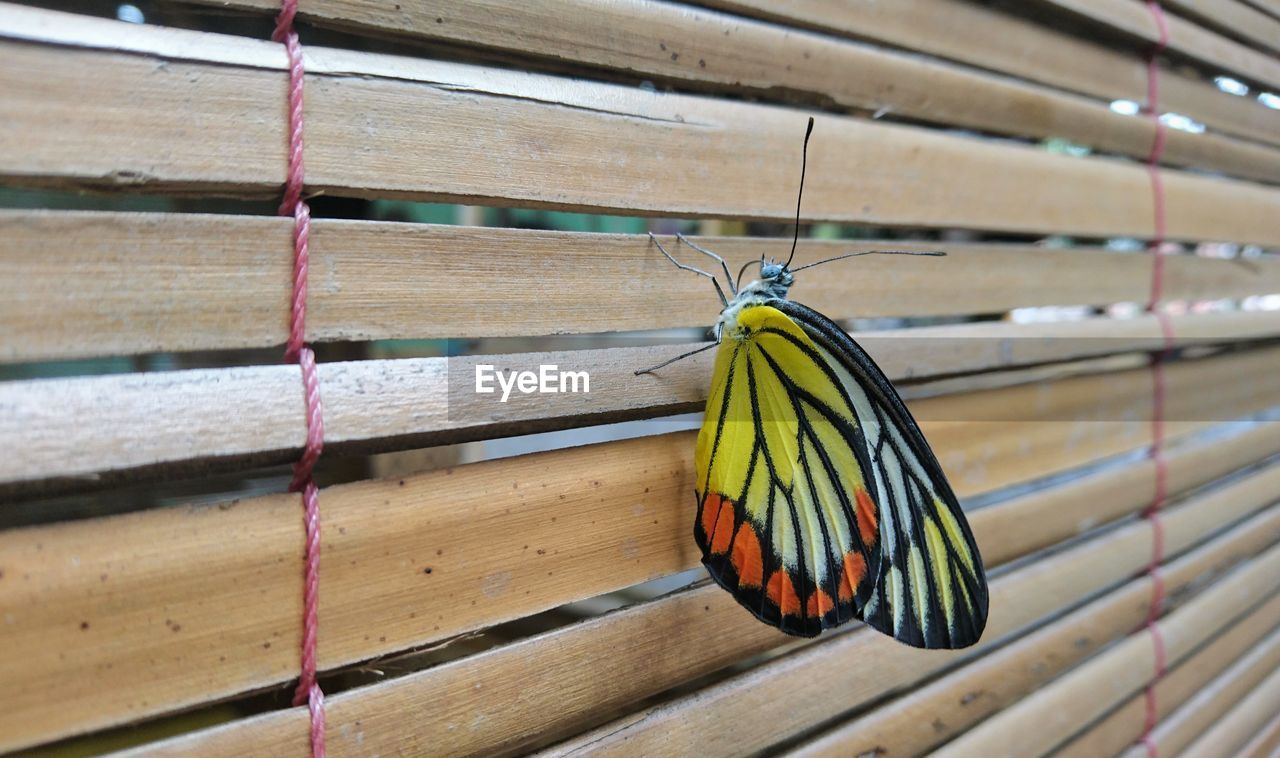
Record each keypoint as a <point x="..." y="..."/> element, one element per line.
<point x="296" y="351"/>
<point x="1152" y="513"/>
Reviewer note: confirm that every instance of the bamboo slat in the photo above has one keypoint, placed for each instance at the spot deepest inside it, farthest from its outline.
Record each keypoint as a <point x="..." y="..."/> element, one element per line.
<point x="1221" y="54"/>
<point x="1244" y="655"/>
<point x="80" y="284"/>
<point x="419" y="560"/>
<point x="1111" y="677"/>
<point x="1207" y="706"/>
<point x="1266" y="743"/>
<point x="1235" y="17"/>
<point x="921" y="720"/>
<point x="706" y="49"/>
<point x="584" y="659"/>
<point x="1234" y="730"/>
<point x="985" y="37"/>
<point x="1270" y="6"/>
<point x="219" y="418"/>
<point x="595" y="147"/>
<point x="857" y="671"/>
<point x="556" y="692"/>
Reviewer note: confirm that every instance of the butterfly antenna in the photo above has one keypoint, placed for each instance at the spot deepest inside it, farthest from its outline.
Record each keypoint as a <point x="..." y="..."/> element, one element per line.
<point x="804" y="159"/>
<point x="930" y="253"/>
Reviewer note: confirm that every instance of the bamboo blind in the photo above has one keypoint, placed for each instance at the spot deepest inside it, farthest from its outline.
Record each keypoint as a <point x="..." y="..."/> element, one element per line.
<point x="474" y="602"/>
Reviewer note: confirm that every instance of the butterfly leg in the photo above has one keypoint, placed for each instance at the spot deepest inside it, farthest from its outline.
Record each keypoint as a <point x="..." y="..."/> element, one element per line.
<point x="705" y="251"/>
<point x="681" y="357"/>
<point x="679" y="265"/>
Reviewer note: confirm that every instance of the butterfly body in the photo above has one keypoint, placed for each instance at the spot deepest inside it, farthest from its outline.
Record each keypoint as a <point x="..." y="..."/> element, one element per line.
<point x="819" y="501"/>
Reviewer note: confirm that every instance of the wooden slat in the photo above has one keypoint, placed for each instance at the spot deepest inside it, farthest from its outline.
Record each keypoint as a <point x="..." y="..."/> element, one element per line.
<point x="1244" y="655"/>
<point x="1110" y="678"/>
<point x="1269" y="6"/>
<point x="81" y="284"/>
<point x="919" y="721"/>
<point x="1236" y="18"/>
<point x="706" y="49"/>
<point x="1266" y="743"/>
<point x="703" y="630"/>
<point x="1234" y="730"/>
<point x="516" y="697"/>
<point x="982" y="36"/>
<point x="855" y="671"/>
<point x="1198" y="714"/>
<point x="1220" y="54"/>
<point x="205" y="419"/>
<point x="439" y="131"/>
<point x="503" y="539"/>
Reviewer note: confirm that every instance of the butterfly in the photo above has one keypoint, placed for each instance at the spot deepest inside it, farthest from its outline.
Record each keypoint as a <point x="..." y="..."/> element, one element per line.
<point x="819" y="500"/>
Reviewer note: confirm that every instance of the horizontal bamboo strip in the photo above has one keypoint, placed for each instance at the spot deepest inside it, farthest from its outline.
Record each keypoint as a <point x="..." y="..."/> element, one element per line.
<point x="219" y="418"/>
<point x="1241" y="723"/>
<point x="434" y="130"/>
<point x="420" y="560"/>
<point x="855" y="670"/>
<point x="1266" y="743"/>
<point x="1221" y="55"/>
<point x="522" y="695"/>
<point x="1236" y="17"/>
<point x="714" y="50"/>
<point x="1110" y="678"/>
<point x="1198" y="714"/>
<point x="1045" y="517"/>
<point x="982" y="36"/>
<point x="710" y="633"/>
<point x="1269" y="6"/>
<point x="79" y="284"/>
<point x="919" y="721"/>
<point x="1244" y="654"/>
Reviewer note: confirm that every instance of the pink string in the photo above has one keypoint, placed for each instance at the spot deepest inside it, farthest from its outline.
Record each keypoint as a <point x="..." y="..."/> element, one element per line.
<point x="296" y="351"/>
<point x="1152" y="513"/>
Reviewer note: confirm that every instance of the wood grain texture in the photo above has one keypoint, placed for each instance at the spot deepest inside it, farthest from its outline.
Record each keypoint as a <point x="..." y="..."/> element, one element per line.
<point x="79" y="284"/>
<point x="1243" y="654"/>
<point x="495" y="702"/>
<point x="1234" y="730"/>
<point x="856" y="672"/>
<point x="709" y="50"/>
<point x="921" y="720"/>
<point x="1220" y="54"/>
<point x="1236" y="18"/>
<point x="1197" y="716"/>
<point x="214" y="419"/>
<point x="1266" y="743"/>
<point x="1112" y="677"/>
<point x="502" y="540"/>
<point x="982" y="36"/>
<point x="437" y="131"/>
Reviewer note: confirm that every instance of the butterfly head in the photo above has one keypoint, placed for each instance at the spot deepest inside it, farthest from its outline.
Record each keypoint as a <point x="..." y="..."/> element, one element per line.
<point x="775" y="279"/>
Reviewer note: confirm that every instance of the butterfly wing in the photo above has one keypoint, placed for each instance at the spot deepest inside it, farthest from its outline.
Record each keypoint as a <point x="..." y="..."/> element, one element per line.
<point x="787" y="518"/>
<point x="819" y="499"/>
<point x="932" y="589"/>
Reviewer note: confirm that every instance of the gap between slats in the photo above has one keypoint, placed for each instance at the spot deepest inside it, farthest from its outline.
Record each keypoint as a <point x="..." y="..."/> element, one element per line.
<point x="1227" y="667"/>
<point x="708" y="50"/>
<point x="538" y="141"/>
<point x="698" y="628"/>
<point x="80" y="284"/>
<point x="1205" y="47"/>
<point x="862" y="667"/>
<point x="983" y="36"/>
<point x="214" y="419"/>
<point x="419" y="560"/>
